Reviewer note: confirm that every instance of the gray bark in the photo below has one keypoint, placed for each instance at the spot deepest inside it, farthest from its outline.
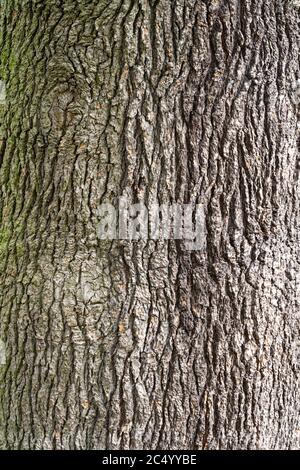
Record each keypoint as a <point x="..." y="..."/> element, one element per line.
<point x="145" y="345"/>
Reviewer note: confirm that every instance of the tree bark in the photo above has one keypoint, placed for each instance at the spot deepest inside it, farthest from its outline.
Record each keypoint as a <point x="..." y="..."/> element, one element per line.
<point x="146" y="345"/>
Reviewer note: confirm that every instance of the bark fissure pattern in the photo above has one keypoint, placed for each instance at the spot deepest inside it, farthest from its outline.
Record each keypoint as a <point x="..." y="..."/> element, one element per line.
<point x="117" y="345"/>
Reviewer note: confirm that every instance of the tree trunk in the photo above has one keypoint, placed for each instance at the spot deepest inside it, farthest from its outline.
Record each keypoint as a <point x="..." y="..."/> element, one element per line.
<point x="145" y="344"/>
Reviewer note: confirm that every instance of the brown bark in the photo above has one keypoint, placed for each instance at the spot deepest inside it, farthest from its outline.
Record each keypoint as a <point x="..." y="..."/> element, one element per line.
<point x="145" y="345"/>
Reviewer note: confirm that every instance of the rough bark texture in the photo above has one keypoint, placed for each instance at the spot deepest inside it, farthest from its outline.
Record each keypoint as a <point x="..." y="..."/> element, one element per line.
<point x="117" y="345"/>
